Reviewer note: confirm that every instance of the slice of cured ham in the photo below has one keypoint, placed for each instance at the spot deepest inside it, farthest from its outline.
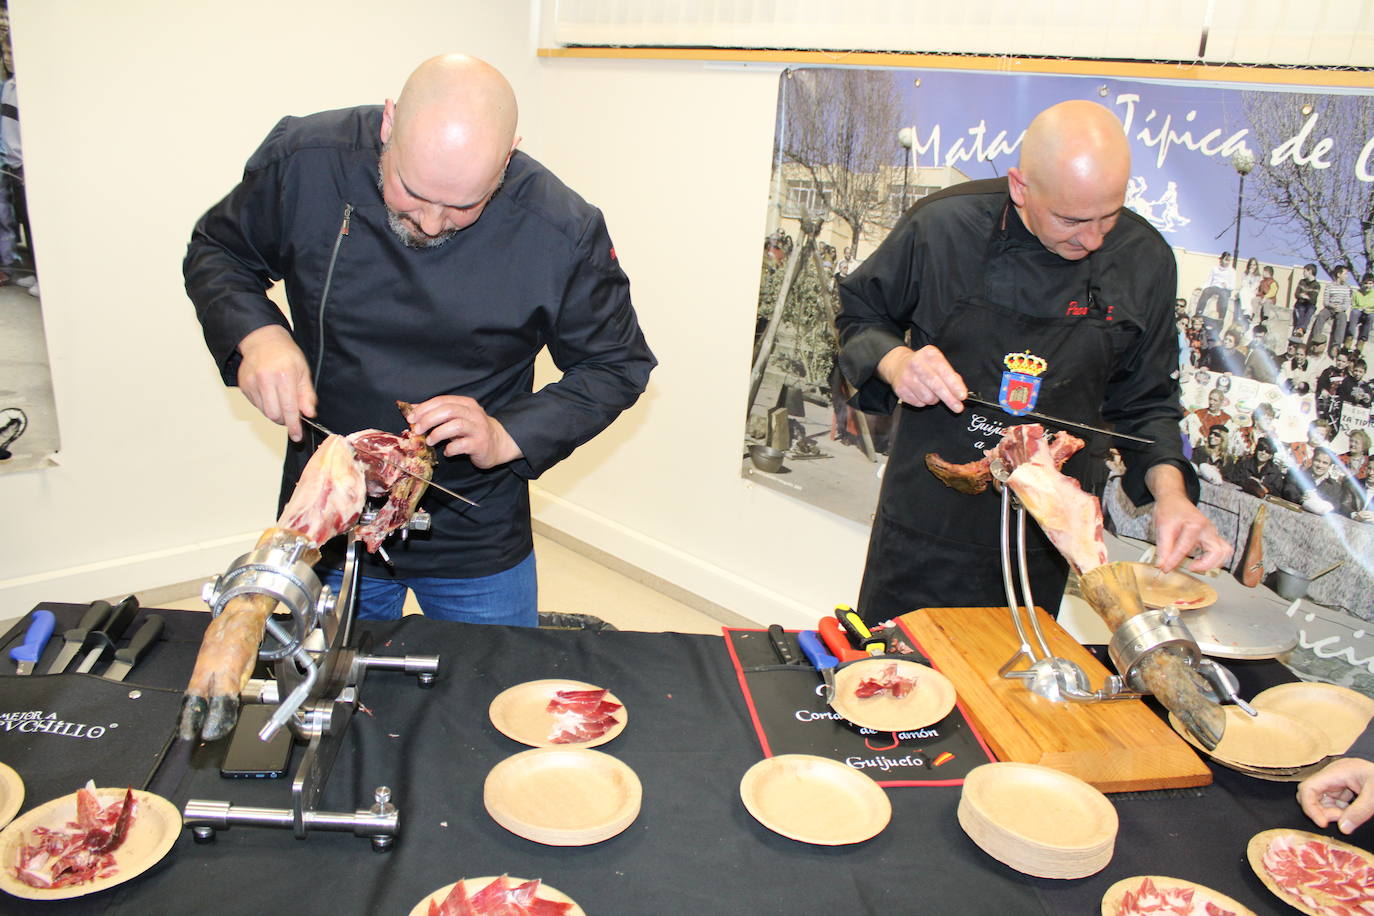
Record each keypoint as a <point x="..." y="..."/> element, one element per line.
<point x="887" y="682"/>
<point x="1174" y="900"/>
<point x="499" y="898"/>
<point x="84" y="851"/>
<point x="1327" y="878"/>
<point x="580" y="715"/>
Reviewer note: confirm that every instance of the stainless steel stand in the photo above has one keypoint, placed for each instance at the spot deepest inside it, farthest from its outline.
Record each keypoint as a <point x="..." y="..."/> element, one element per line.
<point x="319" y="669"/>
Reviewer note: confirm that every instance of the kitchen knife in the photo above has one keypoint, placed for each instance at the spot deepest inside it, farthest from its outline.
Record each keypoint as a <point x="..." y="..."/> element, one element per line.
<point x="823" y="661"/>
<point x="102" y="640"/>
<point x="93" y="619"/>
<point x="858" y="630"/>
<point x="837" y="642"/>
<point x="27" y="654"/>
<point x="1056" y="421"/>
<point x="375" y="457"/>
<point x="127" y="657"/>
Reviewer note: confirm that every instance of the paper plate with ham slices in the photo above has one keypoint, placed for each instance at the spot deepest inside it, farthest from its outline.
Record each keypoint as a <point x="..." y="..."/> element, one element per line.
<point x="1156" y="894"/>
<point x="1313" y="873"/>
<point x="558" y="713"/>
<point x="498" y="894"/>
<point x="86" y="842"/>
<point x="890" y="695"/>
<point x="11" y="794"/>
<point x="1172" y="589"/>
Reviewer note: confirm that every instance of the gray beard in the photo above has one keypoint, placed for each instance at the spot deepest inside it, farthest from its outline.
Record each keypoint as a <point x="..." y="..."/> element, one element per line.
<point x="403" y="228"/>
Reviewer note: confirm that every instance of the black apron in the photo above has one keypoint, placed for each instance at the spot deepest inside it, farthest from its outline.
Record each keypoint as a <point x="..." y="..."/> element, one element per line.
<point x="932" y="546"/>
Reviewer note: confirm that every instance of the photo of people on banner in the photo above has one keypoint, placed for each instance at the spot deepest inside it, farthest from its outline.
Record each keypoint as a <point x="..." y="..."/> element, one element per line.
<point x="1261" y="194"/>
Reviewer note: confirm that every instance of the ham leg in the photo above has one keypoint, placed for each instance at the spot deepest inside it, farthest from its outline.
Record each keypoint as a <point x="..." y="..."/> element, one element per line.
<point x="327" y="502"/>
<point x="1028" y="462"/>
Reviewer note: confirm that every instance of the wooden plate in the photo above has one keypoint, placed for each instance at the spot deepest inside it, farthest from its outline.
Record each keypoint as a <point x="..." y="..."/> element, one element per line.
<point x="1356" y="863"/>
<point x="1270" y="741"/>
<point x="562" y="796"/>
<point x="1041" y="806"/>
<point x="1177" y="588"/>
<point x="473" y="885"/>
<point x="1201" y="895"/>
<point x="157" y="823"/>
<point x="929" y="701"/>
<point x="519" y="713"/>
<point x="1339" y="712"/>
<point x="815" y="800"/>
<point x="11" y="794"/>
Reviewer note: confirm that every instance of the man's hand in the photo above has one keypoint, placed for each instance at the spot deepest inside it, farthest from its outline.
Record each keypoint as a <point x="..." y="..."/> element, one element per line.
<point x="1342" y="791"/>
<point x="1180" y="526"/>
<point x="923" y="377"/>
<point x="275" y="378"/>
<point x="466" y="428"/>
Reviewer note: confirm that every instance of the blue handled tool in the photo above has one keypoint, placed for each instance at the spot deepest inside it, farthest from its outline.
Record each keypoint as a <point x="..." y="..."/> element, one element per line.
<point x="818" y="656"/>
<point x="27" y="653"/>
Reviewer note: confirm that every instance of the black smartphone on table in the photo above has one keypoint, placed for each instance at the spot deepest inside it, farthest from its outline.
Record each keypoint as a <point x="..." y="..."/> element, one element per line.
<point x="248" y="757"/>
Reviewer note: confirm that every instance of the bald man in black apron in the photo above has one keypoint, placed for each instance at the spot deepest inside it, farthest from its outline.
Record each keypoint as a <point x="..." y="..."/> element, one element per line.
<point x="1042" y="287"/>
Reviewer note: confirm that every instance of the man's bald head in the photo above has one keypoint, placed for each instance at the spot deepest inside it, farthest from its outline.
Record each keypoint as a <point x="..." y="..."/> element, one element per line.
<point x="1071" y="182"/>
<point x="446" y="142"/>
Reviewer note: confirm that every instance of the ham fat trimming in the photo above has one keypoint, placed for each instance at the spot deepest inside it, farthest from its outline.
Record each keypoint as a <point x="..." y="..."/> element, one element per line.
<point x="327" y="501"/>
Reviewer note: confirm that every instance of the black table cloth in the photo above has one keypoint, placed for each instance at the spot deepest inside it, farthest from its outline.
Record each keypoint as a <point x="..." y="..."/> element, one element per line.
<point x="693" y="848"/>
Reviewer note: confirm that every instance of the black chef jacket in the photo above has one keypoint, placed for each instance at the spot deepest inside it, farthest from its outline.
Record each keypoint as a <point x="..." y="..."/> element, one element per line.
<point x="379" y="321"/>
<point x="954" y="246"/>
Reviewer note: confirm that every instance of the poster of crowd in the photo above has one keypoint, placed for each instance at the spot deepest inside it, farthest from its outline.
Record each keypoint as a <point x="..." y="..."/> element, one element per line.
<point x="1266" y="197"/>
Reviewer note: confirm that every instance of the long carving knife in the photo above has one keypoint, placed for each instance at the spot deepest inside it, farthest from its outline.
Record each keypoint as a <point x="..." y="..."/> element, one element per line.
<point x="127" y="657"/>
<point x="1057" y="421"/>
<point x="407" y="471"/>
<point x="102" y="640"/>
<point x="73" y="638"/>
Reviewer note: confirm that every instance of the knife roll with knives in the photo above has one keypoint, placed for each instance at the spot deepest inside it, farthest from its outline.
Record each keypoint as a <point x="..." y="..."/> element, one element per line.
<point x="95" y="639"/>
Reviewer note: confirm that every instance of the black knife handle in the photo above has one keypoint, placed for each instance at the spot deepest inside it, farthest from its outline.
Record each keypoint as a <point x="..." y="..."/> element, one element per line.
<point x="123" y="615"/>
<point x="144" y="637"/>
<point x="91" y="620"/>
<point x="778" y="638"/>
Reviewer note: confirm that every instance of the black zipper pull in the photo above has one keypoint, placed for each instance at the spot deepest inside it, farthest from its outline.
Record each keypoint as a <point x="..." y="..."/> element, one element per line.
<point x="348" y="214"/>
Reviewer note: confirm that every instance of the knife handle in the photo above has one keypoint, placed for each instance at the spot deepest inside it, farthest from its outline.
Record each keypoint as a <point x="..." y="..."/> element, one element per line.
<point x="36" y="639"/>
<point x="144" y="637"/>
<point x="837" y="642"/>
<point x="778" y="637"/>
<point x="815" y="652"/>
<point x="120" y="618"/>
<point x="859" y="631"/>
<point x="91" y="620"/>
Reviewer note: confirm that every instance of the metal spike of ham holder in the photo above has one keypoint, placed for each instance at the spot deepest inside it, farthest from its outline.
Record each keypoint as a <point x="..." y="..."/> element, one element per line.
<point x="1152" y="649"/>
<point x="319" y="668"/>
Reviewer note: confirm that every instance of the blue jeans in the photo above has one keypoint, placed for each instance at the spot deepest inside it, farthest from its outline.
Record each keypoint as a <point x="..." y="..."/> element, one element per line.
<point x="507" y="598"/>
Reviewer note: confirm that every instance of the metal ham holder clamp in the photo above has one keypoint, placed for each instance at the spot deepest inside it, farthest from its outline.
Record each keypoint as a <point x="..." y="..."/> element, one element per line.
<point x="320" y="669"/>
<point x="1047" y="675"/>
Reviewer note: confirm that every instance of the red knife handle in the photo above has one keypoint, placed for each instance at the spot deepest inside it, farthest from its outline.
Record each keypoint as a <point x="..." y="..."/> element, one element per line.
<point x="837" y="642"/>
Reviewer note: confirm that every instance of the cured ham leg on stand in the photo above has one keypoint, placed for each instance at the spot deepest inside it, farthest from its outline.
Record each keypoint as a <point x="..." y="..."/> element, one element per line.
<point x="327" y="502"/>
<point x="1029" y="461"/>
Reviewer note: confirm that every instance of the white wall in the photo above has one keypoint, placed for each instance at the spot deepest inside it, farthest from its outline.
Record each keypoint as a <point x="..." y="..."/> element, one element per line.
<point x="138" y="115"/>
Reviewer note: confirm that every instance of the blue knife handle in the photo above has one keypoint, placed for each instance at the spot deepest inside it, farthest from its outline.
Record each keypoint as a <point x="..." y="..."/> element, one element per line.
<point x="815" y="651"/>
<point x="36" y="639"/>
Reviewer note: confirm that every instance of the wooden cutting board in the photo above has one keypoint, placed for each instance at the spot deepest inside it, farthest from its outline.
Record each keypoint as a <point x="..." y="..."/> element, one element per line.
<point x="1117" y="746"/>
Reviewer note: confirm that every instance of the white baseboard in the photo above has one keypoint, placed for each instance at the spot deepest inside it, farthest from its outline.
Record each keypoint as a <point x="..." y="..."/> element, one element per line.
<point x="145" y="575"/>
<point x="695" y="582"/>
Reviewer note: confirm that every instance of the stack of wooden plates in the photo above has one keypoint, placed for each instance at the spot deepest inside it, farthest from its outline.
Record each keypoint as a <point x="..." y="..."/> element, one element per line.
<point x="1341" y="714"/>
<point x="1269" y="746"/>
<point x="1038" y="820"/>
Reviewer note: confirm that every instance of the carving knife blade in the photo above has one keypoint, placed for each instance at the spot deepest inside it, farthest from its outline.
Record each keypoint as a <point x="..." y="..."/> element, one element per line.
<point x="375" y="457"/>
<point x="93" y="619"/>
<point x="36" y="637"/>
<point x="142" y="641"/>
<point x="1056" y="421"/>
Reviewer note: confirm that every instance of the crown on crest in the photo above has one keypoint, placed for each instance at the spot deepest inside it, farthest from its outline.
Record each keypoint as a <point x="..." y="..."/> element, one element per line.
<point x="1025" y="363"/>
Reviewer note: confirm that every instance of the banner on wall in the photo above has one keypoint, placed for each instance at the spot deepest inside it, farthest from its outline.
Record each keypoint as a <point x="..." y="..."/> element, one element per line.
<point x="1279" y="180"/>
